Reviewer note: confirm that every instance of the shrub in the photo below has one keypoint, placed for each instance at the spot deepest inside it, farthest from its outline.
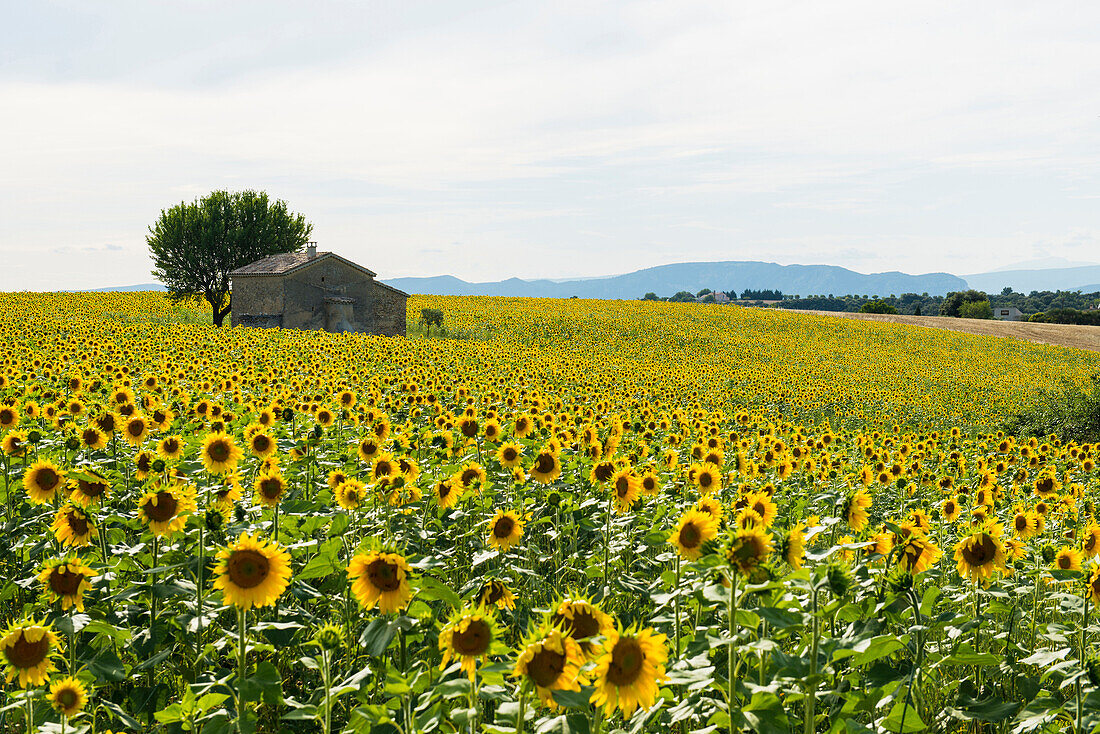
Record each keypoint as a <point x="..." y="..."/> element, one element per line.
<point x="953" y="303"/>
<point x="1068" y="316"/>
<point x="976" y="310"/>
<point x="877" y="307"/>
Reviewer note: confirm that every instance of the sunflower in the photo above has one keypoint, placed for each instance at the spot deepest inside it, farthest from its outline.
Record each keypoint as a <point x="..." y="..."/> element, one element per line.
<point x="382" y="579"/>
<point x="219" y="453"/>
<point x="72" y="527"/>
<point x="693" y="529"/>
<point x="1090" y="543"/>
<point x="1093" y="585"/>
<point x="1047" y="486"/>
<point x="706" y="503"/>
<point x="629" y="670"/>
<point x="950" y="509"/>
<point x="68" y="696"/>
<point x="625" y="487"/>
<point x="707" y="477"/>
<point x="547" y="467"/>
<point x="28" y="648"/>
<point x="261" y="445"/>
<point x="747" y="548"/>
<point x="551" y="661"/>
<point x="1068" y="559"/>
<point x="505" y="530"/>
<point x="509" y="454"/>
<point x="349" y="494"/>
<point x="917" y="553"/>
<point x="170" y="447"/>
<point x="268" y="489"/>
<point x="384" y="469"/>
<point x="91" y="488"/>
<point x="855" y="509"/>
<point x="582" y="620"/>
<point x="165" y="509"/>
<point x="1024" y="524"/>
<point x="9" y="417"/>
<point x="651" y="485"/>
<point x="66" y="580"/>
<point x="446" y="494"/>
<point x="496" y="592"/>
<point x="523" y="426"/>
<point x="144" y="463"/>
<point x="252" y="572"/>
<point x="42" y="481"/>
<point x="14" y="443"/>
<point x="762" y="504"/>
<point x="92" y="438"/>
<point x="336" y="477"/>
<point x="981" y="553"/>
<point x="135" y="429"/>
<point x="793" y="546"/>
<point x="469" y="636"/>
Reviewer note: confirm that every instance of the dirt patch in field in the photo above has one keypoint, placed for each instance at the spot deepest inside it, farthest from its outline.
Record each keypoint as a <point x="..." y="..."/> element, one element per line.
<point x="1062" y="335"/>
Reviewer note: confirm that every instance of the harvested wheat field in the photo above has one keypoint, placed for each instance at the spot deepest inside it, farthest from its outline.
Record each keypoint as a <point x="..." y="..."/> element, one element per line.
<point x="1062" y="335"/>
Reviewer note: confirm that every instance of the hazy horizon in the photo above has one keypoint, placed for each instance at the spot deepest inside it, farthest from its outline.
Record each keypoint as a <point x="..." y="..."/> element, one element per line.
<point x="491" y="140"/>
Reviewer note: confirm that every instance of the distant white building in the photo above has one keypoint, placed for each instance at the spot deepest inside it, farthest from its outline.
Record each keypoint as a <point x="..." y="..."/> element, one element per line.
<point x="720" y="297"/>
<point x="1011" y="313"/>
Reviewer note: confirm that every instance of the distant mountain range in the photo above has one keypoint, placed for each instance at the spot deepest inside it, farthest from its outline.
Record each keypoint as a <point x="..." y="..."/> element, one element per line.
<point x="804" y="280"/>
<point x="665" y="280"/>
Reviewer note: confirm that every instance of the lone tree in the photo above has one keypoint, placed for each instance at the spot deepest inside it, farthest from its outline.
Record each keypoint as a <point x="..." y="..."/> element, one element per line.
<point x="195" y="246"/>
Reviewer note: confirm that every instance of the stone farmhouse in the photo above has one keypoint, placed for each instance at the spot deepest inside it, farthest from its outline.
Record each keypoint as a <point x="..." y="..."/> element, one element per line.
<point x="1008" y="314"/>
<point x="315" y="290"/>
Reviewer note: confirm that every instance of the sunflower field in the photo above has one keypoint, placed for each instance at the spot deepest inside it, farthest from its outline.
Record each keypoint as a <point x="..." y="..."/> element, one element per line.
<point x="548" y="516"/>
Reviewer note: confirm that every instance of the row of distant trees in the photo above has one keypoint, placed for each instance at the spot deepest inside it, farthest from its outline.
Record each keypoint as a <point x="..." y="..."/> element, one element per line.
<point x="1049" y="306"/>
<point x="709" y="296"/>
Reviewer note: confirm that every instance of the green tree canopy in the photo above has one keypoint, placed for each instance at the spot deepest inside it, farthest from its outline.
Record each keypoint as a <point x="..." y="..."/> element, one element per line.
<point x="195" y="246"/>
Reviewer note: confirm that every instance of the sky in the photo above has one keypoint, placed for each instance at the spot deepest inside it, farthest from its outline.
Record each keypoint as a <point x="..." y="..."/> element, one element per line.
<point x="556" y="139"/>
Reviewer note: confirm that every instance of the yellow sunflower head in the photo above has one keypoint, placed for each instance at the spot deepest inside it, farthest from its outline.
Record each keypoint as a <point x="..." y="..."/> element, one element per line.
<point x="72" y="527"/>
<point x="691" y="532"/>
<point x="43" y="480"/>
<point x="550" y="661"/>
<point x="252" y="572"/>
<point x="629" y="670"/>
<point x="219" y="453"/>
<point x="68" y="696"/>
<point x="28" y="648"/>
<point x="66" y="580"/>
<point x="505" y="530"/>
<point x="471" y="635"/>
<point x="382" y="579"/>
<point x="164" y="509"/>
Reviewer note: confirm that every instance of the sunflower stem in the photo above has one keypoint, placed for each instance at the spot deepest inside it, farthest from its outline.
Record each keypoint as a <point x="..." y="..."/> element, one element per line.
<point x="30" y="711"/>
<point x="326" y="670"/>
<point x="198" y="591"/>
<point x="811" y="688"/>
<point x="731" y="609"/>
<point x="242" y="621"/>
<point x="153" y="594"/>
<point x="522" y="706"/>
<point x="676" y="604"/>
<point x="606" y="547"/>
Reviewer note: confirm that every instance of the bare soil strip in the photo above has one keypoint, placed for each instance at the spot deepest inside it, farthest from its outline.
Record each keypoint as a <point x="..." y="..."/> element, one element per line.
<point x="1062" y="335"/>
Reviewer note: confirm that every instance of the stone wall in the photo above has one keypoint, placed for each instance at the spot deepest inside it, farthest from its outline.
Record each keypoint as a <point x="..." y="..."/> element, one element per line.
<point x="256" y="301"/>
<point x="301" y="299"/>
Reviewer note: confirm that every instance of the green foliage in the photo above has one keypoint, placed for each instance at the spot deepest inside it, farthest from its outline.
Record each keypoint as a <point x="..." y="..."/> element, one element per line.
<point x="683" y="297"/>
<point x="762" y="295"/>
<point x="430" y="317"/>
<point x="195" y="246"/>
<point x="976" y="310"/>
<point x="651" y="296"/>
<point x="1069" y="410"/>
<point x="877" y="306"/>
<point x="1068" y="316"/>
<point x="953" y="303"/>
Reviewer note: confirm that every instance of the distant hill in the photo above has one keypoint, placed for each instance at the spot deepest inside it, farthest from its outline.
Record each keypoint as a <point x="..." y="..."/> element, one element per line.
<point x="1025" y="281"/>
<point x="666" y="280"/>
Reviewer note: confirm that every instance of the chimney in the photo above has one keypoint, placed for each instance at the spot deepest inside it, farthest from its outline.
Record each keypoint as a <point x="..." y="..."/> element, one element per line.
<point x="311" y="249"/>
